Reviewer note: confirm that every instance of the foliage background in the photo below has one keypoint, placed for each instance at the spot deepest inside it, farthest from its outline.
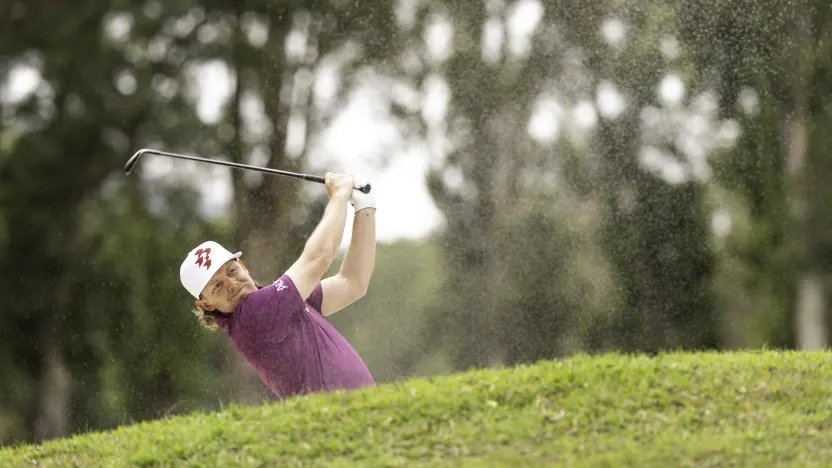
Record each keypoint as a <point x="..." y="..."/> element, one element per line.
<point x="615" y="175"/>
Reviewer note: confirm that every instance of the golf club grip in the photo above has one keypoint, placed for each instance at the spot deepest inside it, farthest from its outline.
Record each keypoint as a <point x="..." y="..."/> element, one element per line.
<point x="322" y="180"/>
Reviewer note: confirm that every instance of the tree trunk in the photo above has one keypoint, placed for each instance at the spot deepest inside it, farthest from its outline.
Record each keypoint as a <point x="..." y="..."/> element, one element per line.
<point x="264" y="207"/>
<point x="53" y="420"/>
<point x="810" y="320"/>
<point x="54" y="401"/>
<point x="53" y="406"/>
<point x="810" y="308"/>
<point x="811" y="311"/>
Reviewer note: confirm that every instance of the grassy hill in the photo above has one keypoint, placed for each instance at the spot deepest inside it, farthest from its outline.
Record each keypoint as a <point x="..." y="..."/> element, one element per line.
<point x="735" y="409"/>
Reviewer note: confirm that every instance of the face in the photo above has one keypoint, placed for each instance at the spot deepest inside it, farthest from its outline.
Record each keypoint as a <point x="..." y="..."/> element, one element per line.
<point x="229" y="285"/>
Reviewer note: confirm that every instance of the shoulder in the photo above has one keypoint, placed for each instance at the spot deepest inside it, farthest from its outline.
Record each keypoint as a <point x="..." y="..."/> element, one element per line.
<point x="264" y="293"/>
<point x="283" y="289"/>
<point x="280" y="295"/>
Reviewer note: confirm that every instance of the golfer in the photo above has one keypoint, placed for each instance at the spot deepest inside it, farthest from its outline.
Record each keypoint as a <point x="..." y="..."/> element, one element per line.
<point x="281" y="329"/>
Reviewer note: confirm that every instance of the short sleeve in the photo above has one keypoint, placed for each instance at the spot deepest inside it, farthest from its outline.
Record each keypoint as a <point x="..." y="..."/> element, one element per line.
<point x="317" y="297"/>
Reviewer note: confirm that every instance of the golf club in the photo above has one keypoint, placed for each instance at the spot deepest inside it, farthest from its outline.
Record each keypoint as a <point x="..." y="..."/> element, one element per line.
<point x="131" y="164"/>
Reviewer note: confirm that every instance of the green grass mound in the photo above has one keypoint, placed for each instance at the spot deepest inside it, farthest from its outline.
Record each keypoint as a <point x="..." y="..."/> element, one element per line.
<point x="734" y="409"/>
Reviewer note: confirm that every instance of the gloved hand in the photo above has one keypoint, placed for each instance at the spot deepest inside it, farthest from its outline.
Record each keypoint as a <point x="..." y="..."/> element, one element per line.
<point x="361" y="200"/>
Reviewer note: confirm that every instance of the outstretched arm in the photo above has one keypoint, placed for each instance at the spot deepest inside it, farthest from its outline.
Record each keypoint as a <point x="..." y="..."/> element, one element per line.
<point x="322" y="246"/>
<point x="353" y="279"/>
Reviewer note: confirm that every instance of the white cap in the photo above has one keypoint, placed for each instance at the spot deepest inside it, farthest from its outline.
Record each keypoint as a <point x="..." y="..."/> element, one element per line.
<point x="201" y="264"/>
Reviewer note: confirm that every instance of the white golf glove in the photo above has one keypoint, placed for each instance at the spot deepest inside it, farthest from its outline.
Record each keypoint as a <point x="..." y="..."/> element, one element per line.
<point x="361" y="200"/>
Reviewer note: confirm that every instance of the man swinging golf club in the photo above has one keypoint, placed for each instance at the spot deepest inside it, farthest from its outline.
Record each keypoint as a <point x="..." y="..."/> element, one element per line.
<point x="281" y="329"/>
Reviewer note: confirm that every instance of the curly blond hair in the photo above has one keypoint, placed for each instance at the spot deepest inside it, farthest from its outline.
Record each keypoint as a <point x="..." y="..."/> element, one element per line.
<point x="207" y="320"/>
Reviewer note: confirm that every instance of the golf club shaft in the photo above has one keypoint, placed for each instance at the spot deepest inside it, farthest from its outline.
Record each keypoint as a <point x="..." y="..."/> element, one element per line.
<point x="131" y="163"/>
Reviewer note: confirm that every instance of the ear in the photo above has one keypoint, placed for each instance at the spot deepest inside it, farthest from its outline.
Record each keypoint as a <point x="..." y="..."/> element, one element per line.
<point x="205" y="305"/>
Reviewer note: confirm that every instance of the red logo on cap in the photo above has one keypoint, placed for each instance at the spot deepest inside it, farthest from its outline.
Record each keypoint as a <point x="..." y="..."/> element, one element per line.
<point x="203" y="261"/>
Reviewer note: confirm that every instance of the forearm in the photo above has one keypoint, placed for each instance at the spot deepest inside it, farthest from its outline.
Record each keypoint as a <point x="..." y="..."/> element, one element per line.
<point x="360" y="259"/>
<point x="326" y="238"/>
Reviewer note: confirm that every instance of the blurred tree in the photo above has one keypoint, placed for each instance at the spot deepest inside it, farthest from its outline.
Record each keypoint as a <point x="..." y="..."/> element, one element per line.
<point x="492" y="93"/>
<point x="770" y="63"/>
<point x="655" y="228"/>
<point x="98" y="330"/>
<point x="97" y="92"/>
<point x="139" y="355"/>
<point x="499" y="252"/>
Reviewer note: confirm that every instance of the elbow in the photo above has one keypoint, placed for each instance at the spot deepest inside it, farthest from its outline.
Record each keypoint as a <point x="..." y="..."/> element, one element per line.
<point x="361" y="291"/>
<point x="357" y="289"/>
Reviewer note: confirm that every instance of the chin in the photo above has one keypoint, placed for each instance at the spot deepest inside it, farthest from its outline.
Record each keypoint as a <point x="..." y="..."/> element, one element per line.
<point x="247" y="289"/>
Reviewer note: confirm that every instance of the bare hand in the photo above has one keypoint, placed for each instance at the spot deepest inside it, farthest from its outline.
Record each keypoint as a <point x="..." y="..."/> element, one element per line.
<point x="339" y="185"/>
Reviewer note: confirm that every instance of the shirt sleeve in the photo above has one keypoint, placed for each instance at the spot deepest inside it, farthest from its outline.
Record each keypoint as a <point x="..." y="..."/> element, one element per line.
<point x="317" y="297"/>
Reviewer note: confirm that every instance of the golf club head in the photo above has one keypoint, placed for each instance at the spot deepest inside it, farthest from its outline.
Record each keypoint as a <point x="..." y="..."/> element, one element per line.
<point x="131" y="163"/>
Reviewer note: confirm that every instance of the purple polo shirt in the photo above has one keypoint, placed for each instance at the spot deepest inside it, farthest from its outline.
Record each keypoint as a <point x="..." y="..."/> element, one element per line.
<point x="289" y="343"/>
